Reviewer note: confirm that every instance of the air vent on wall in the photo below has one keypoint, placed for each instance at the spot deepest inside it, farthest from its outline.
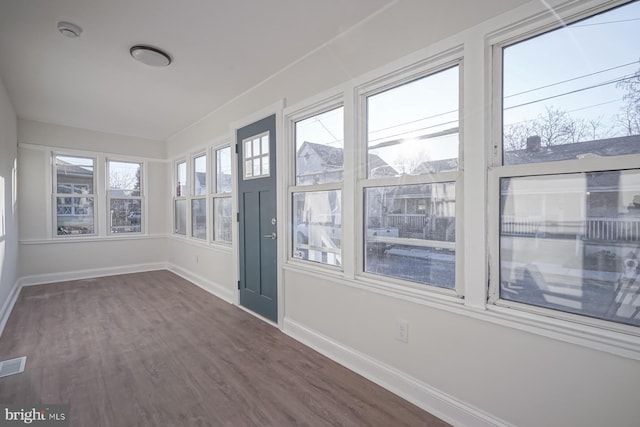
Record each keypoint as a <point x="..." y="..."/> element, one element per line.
<point x="12" y="366"/>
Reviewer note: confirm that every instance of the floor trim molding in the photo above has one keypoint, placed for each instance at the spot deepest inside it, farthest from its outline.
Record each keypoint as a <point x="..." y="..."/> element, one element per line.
<point x="420" y="394"/>
<point x="8" y="305"/>
<point x="40" y="279"/>
<point x="213" y="288"/>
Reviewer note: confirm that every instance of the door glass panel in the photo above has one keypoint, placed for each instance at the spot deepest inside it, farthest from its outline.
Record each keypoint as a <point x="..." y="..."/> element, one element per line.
<point x="256" y="154"/>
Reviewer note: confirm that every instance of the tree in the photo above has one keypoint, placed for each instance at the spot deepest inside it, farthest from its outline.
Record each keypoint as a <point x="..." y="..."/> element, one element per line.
<point x="553" y="126"/>
<point x="596" y="128"/>
<point x="629" y="119"/>
<point x="632" y="91"/>
<point x="515" y="136"/>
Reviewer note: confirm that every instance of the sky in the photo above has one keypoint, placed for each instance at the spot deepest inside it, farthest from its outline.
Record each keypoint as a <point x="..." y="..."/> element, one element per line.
<point x="591" y="52"/>
<point x="564" y="65"/>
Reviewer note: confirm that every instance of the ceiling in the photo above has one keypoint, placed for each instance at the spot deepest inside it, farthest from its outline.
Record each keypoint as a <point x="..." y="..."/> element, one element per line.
<point x="221" y="48"/>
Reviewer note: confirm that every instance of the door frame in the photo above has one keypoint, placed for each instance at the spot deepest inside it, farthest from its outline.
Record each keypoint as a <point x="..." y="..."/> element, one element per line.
<point x="281" y="229"/>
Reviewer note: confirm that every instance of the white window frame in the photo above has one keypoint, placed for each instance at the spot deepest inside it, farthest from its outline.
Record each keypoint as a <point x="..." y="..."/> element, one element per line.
<point x="55" y="195"/>
<point x="449" y="59"/>
<point x="215" y="195"/>
<point x="141" y="197"/>
<point x="594" y="330"/>
<point x="191" y="185"/>
<point x="177" y="197"/>
<point x="291" y="118"/>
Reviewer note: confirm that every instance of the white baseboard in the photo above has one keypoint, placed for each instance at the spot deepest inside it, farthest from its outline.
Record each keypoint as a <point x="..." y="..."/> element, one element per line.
<point x="420" y="394"/>
<point x="204" y="283"/>
<point x="40" y="279"/>
<point x="7" y="307"/>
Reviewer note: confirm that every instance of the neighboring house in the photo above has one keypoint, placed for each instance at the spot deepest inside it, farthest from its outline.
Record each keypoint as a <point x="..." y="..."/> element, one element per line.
<point x="578" y="229"/>
<point x="200" y="183"/>
<point x="589" y="207"/>
<point x="436" y="166"/>
<point x="318" y="163"/>
<point x="74" y="212"/>
<point x="417" y="211"/>
<point x="534" y="151"/>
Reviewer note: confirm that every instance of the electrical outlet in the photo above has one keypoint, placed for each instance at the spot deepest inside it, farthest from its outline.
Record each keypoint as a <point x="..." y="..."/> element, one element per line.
<point x="402" y="330"/>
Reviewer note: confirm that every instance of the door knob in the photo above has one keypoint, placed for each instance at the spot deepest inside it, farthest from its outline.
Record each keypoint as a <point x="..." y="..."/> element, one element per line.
<point x="271" y="236"/>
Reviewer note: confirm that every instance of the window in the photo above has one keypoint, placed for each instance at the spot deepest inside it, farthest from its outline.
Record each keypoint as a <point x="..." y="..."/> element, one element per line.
<point x="585" y="104"/>
<point x="74" y="195"/>
<point x="125" y="197"/>
<point x="200" y="175"/>
<point x="256" y="157"/>
<point x="568" y="192"/>
<point x="412" y="129"/>
<point x="180" y="202"/>
<point x="222" y="206"/>
<point x="198" y="200"/>
<point x="317" y="196"/>
<point x="411" y="232"/>
<point x="412" y="133"/>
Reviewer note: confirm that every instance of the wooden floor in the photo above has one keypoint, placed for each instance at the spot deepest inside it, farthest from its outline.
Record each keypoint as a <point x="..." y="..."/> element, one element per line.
<point x="151" y="349"/>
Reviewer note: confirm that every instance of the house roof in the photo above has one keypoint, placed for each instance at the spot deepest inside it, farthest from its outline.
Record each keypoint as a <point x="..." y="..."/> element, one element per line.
<point x="436" y="166"/>
<point x="69" y="169"/>
<point x="334" y="158"/>
<point x="600" y="148"/>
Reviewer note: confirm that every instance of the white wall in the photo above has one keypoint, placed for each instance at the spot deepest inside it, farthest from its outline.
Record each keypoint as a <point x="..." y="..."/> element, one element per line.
<point x="208" y="266"/>
<point x="44" y="258"/>
<point x="461" y="362"/>
<point x="8" y="208"/>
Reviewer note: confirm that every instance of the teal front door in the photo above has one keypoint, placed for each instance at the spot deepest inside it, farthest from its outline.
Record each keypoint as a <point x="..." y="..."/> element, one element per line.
<point x="256" y="145"/>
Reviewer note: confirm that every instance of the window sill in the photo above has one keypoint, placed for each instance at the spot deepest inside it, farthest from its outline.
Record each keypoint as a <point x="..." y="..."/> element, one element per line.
<point x="91" y="238"/>
<point x="221" y="247"/>
<point x="431" y="296"/>
<point x="598" y="338"/>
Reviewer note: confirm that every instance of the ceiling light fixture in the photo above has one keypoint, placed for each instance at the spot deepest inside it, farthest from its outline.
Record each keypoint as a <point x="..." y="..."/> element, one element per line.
<point x="68" y="29"/>
<point x="150" y="56"/>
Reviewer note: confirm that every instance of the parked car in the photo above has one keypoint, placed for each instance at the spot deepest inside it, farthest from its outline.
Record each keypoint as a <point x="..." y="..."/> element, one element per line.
<point x="134" y="217"/>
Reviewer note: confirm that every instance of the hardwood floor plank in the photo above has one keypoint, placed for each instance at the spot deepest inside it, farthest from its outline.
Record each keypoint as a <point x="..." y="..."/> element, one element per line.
<point x="151" y="349"/>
